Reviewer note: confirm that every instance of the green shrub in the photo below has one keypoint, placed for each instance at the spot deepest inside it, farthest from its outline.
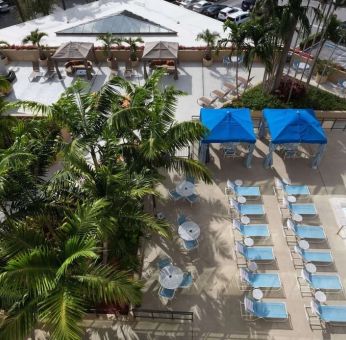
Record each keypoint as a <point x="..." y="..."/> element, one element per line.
<point x="315" y="98"/>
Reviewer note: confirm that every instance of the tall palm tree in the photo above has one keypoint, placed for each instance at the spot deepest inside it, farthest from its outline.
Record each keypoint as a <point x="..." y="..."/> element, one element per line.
<point x="258" y="45"/>
<point x="35" y="38"/>
<point x="210" y="39"/>
<point x="108" y="40"/>
<point x="291" y="14"/>
<point x="133" y="43"/>
<point x="236" y="37"/>
<point x="52" y="281"/>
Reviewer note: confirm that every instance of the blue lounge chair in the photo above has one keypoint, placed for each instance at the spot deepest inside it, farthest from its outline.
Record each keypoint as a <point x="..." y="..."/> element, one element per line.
<point x="166" y="293"/>
<point x="181" y="218"/>
<point x="322" y="281"/>
<point x="187" y="280"/>
<point x="294" y="190"/>
<point x="174" y="195"/>
<point x="329" y="314"/>
<point x="249" y="192"/>
<point x="305" y="209"/>
<point x="260" y="280"/>
<point x="251" y="230"/>
<point x="164" y="262"/>
<point x="248" y="209"/>
<point x="307" y="231"/>
<point x="266" y="310"/>
<point x="315" y="256"/>
<point x="190" y="179"/>
<point x="192" y="198"/>
<point x="190" y="245"/>
<point x="257" y="254"/>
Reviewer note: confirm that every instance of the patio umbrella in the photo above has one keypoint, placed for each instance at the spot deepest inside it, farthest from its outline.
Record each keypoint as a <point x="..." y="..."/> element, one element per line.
<point x="171" y="277"/>
<point x="189" y="231"/>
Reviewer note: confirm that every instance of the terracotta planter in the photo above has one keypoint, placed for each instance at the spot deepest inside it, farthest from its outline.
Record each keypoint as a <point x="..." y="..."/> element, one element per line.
<point x="43" y="62"/>
<point x="134" y="63"/>
<point x="207" y="62"/>
<point x="321" y="79"/>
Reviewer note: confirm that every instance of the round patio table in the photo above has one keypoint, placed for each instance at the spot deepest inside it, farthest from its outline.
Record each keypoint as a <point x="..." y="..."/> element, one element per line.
<point x="297" y="217"/>
<point x="320" y="296"/>
<point x="291" y="199"/>
<point x="238" y="182"/>
<point x="310" y="267"/>
<point x="252" y="266"/>
<point x="245" y="219"/>
<point x="257" y="294"/>
<point x="241" y="199"/>
<point x="249" y="242"/>
<point x="303" y="244"/>
<point x="185" y="188"/>
<point x="189" y="231"/>
<point x="171" y="277"/>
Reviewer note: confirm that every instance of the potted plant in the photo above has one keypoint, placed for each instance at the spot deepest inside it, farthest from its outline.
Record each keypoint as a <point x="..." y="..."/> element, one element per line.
<point x="108" y="40"/>
<point x="323" y="70"/>
<point x="3" y="57"/>
<point x="132" y="42"/>
<point x="210" y="39"/>
<point x="35" y="38"/>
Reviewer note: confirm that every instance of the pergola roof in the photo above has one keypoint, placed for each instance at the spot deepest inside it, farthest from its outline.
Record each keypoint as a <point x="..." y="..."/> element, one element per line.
<point x="160" y="50"/>
<point x="73" y="51"/>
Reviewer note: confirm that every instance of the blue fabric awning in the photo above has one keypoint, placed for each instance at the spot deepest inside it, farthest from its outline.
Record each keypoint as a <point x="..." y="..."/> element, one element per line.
<point x="228" y="125"/>
<point x="294" y="126"/>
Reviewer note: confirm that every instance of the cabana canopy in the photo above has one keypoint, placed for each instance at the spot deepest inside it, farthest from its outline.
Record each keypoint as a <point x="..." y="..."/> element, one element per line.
<point x="226" y="126"/>
<point x="73" y="51"/>
<point x="161" y="50"/>
<point x="292" y="126"/>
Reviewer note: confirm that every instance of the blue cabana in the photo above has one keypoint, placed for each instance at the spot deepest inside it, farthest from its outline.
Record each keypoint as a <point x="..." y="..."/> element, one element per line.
<point x="292" y="126"/>
<point x="227" y="126"/>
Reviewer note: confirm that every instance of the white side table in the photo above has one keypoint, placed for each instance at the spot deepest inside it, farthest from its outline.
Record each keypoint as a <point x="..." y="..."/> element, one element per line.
<point x="291" y="199"/>
<point x="257" y="294"/>
<point x="310" y="267"/>
<point x="241" y="199"/>
<point x="303" y="244"/>
<point x="252" y="266"/>
<point x="297" y="217"/>
<point x="245" y="219"/>
<point x="249" y="242"/>
<point x="238" y="182"/>
<point x="320" y="296"/>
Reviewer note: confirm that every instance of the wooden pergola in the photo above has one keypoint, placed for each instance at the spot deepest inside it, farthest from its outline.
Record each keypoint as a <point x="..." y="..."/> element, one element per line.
<point x="74" y="51"/>
<point x="161" y="50"/>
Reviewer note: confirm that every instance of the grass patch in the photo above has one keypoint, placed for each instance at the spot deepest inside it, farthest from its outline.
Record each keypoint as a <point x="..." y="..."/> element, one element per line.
<point x="315" y="98"/>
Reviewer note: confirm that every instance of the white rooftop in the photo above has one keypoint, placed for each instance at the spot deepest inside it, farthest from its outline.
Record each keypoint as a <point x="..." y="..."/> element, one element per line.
<point x="185" y="22"/>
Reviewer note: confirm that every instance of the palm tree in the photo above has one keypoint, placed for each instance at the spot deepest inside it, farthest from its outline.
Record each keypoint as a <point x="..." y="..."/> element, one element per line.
<point x="108" y="39"/>
<point x="236" y="38"/>
<point x="132" y="42"/>
<point x="35" y="38"/>
<point x="259" y="46"/>
<point x="210" y="39"/>
<point x="291" y="14"/>
<point x="7" y="123"/>
<point x="52" y="281"/>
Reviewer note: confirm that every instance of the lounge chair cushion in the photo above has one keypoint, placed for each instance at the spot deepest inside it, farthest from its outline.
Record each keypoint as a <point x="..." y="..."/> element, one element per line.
<point x="329" y="282"/>
<point x="303" y="209"/>
<point x="251" y="209"/>
<point x="248" y="191"/>
<point x="317" y="256"/>
<point x="255" y="230"/>
<point x="310" y="232"/>
<point x="264" y="280"/>
<point x="273" y="310"/>
<point x="167" y="293"/>
<point x="332" y="313"/>
<point x="259" y="253"/>
<point x="296" y="190"/>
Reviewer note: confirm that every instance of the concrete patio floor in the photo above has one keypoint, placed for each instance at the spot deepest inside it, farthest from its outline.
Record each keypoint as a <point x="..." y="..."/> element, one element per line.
<point x="215" y="295"/>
